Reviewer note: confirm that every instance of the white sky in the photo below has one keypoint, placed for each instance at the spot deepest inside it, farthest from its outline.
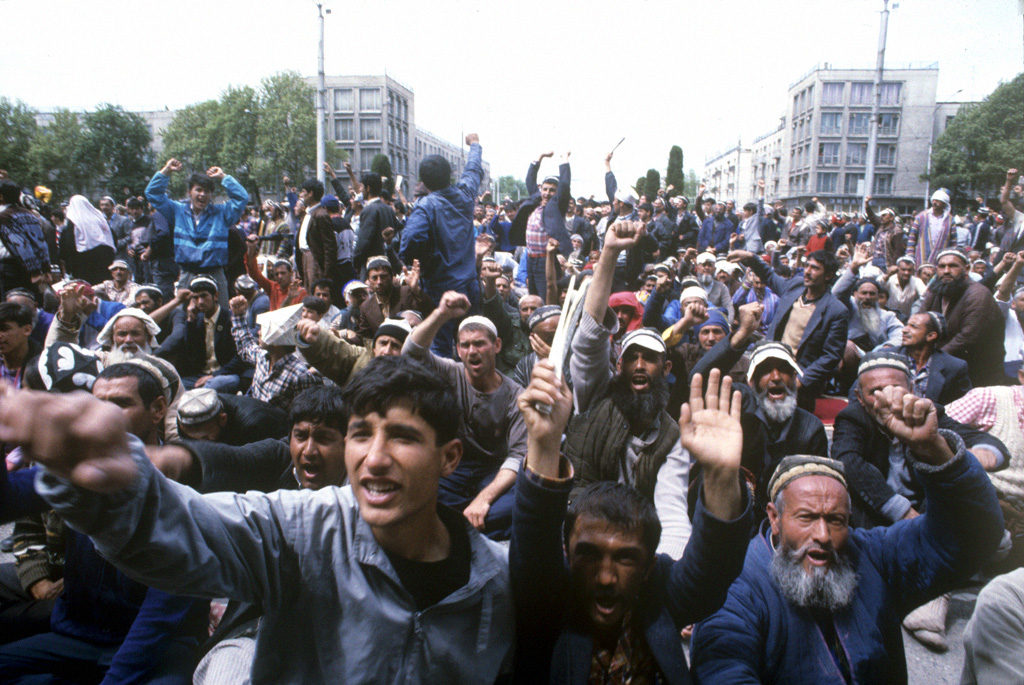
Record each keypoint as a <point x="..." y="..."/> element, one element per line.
<point x="526" y="75"/>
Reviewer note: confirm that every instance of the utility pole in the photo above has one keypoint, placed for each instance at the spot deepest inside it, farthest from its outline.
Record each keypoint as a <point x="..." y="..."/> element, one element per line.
<point x="321" y="100"/>
<point x="876" y="103"/>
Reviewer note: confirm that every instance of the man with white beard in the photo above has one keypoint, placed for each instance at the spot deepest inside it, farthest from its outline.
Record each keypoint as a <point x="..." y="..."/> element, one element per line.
<point x="129" y="333"/>
<point x="819" y="601"/>
<point x="870" y="325"/>
<point x="772" y="422"/>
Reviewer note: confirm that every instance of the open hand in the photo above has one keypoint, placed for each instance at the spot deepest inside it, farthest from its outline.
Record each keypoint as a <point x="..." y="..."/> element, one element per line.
<point x="709" y="425"/>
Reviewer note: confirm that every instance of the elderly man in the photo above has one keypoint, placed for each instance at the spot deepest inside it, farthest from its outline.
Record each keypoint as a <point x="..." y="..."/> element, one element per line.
<point x="882" y="484"/>
<point x="972" y="316"/>
<point x="130" y="332"/>
<point x="932" y="230"/>
<point x="622" y="433"/>
<point x="808" y="319"/>
<point x="119" y="287"/>
<point x="821" y="601"/>
<point x="905" y="289"/>
<point x="775" y="426"/>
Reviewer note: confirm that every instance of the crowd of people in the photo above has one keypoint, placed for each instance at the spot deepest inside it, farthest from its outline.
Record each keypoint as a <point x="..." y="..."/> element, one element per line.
<point x="345" y="436"/>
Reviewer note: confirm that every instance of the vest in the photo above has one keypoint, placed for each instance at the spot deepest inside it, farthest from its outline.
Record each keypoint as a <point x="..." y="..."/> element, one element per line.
<point x="596" y="445"/>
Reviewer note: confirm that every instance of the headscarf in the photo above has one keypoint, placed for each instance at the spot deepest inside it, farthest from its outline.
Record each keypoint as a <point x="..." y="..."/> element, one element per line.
<point x="628" y="299"/>
<point x="91" y="227"/>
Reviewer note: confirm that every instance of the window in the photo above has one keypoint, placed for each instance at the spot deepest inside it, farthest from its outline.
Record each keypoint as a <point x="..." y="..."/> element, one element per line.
<point x="856" y="153"/>
<point x="367" y="154"/>
<point x="343" y="100"/>
<point x="860" y="93"/>
<point x="369" y="129"/>
<point x="890" y="94"/>
<point x="796" y="105"/>
<point x="344" y="129"/>
<point x="832" y="93"/>
<point x="888" y="124"/>
<point x="854" y="184"/>
<point x="369" y="99"/>
<point x="883" y="184"/>
<point x="886" y="155"/>
<point x="859" y="124"/>
<point x="828" y="154"/>
<point x="831" y="123"/>
<point x="828" y="182"/>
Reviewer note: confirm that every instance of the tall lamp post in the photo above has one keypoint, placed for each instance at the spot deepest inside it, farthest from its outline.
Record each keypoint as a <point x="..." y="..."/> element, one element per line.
<point x="876" y="103"/>
<point x="321" y="99"/>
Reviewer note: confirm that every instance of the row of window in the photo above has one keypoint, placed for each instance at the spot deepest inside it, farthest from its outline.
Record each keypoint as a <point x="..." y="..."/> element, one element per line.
<point x="369" y="99"/>
<point x="859" y="124"/>
<point x="861" y="93"/>
<point x="828" y="183"/>
<point x="856" y="153"/>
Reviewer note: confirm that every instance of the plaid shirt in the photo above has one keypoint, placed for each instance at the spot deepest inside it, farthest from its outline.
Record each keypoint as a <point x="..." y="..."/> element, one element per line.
<point x="978" y="408"/>
<point x="278" y="384"/>
<point x="536" y="236"/>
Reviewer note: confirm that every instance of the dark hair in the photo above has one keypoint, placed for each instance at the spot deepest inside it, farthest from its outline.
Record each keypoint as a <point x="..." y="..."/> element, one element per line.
<point x="647" y="207"/>
<point x="323" y="283"/>
<point x="315" y="303"/>
<point x="827" y="260"/>
<point x="371" y="184"/>
<point x="21" y="292"/>
<point x="203" y="287"/>
<point x="810" y="207"/>
<point x="323" y="404"/>
<point x="20" y="314"/>
<point x="201" y="180"/>
<point x="133" y="203"/>
<point x="621" y="506"/>
<point x="10" y="193"/>
<point x="435" y="172"/>
<point x="314" y="188"/>
<point x="149" y="387"/>
<point x="390" y="381"/>
<point x="750" y="206"/>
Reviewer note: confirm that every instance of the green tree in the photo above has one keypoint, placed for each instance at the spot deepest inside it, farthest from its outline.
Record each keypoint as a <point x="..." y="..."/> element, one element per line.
<point x="381" y="165"/>
<point x="641" y="186"/>
<point x="652" y="184"/>
<point x="17" y="128"/>
<point x="981" y="143"/>
<point x="674" y="173"/>
<point x="116" y="149"/>
<point x="511" y="187"/>
<point x="55" y="156"/>
<point x="286" y="129"/>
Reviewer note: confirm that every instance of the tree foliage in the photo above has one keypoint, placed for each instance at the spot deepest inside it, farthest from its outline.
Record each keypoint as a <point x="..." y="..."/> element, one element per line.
<point x="981" y="143"/>
<point x="116" y="147"/>
<point x="674" y="172"/>
<point x="641" y="185"/>
<point x="17" y="128"/>
<point x="511" y="187"/>
<point x="285" y="129"/>
<point x="56" y="158"/>
<point x="381" y="166"/>
<point x="652" y="184"/>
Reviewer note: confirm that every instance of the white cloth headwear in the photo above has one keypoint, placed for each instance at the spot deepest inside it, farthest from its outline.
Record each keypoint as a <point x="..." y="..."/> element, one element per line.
<point x="91" y="227"/>
<point x="106" y="336"/>
<point x="941" y="195"/>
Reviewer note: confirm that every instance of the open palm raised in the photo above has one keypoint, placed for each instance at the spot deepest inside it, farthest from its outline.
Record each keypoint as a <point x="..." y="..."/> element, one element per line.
<point x="709" y="425"/>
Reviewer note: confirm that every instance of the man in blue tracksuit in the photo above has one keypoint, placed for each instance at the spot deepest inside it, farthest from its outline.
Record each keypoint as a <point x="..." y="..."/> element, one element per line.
<point x="200" y="227"/>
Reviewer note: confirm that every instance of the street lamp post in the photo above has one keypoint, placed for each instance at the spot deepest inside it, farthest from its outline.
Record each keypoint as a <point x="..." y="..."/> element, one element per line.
<point x="321" y="100"/>
<point x="876" y="103"/>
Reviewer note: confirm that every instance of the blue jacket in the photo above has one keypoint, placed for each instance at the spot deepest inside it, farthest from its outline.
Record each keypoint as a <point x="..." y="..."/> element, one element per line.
<point x="205" y="245"/>
<point x="439" y="233"/>
<point x="760" y="637"/>
<point x="824" y="338"/>
<point x="550" y="646"/>
<point x="158" y="633"/>
<point x="715" y="233"/>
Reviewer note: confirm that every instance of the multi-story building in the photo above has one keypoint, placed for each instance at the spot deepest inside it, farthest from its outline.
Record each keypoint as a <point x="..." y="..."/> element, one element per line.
<point x="821" y="147"/>
<point x="727" y="174"/>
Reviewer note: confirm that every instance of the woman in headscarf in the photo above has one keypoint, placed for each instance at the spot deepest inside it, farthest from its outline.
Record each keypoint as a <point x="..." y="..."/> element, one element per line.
<point x="86" y="244"/>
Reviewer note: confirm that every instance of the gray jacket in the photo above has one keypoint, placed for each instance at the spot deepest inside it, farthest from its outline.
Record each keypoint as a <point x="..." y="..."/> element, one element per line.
<point x="335" y="610"/>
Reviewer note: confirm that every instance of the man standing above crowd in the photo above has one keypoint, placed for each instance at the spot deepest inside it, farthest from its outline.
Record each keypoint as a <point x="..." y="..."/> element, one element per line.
<point x="200" y="228"/>
<point x="120" y="226"/>
<point x="972" y="317"/>
<point x="932" y="231"/>
<point x="374" y="221"/>
<point x="540" y="217"/>
<point x="888" y="244"/>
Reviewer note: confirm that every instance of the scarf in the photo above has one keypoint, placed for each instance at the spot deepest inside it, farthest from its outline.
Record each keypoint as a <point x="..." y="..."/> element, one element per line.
<point x="91" y="228"/>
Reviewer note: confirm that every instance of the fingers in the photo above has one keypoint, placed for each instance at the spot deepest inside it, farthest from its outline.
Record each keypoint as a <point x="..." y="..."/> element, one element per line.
<point x="736" y="407"/>
<point x="714" y="383"/>
<point x="696" y="403"/>
<point x="725" y="395"/>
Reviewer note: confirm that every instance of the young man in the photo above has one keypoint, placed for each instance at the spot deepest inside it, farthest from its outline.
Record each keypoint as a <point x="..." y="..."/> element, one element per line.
<point x="285" y="289"/>
<point x="608" y="608"/>
<point x="541" y="217"/>
<point x="440" y="608"/>
<point x="492" y="428"/>
<point x="16" y="345"/>
<point x="938" y="376"/>
<point x="200" y="227"/>
<point x="119" y="287"/>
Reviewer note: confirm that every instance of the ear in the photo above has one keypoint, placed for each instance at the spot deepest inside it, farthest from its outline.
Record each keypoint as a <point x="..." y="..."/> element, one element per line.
<point x="773" y="517"/>
<point x="668" y="367"/>
<point x="158" y="408"/>
<point x="451" y="455"/>
<point x="497" y="344"/>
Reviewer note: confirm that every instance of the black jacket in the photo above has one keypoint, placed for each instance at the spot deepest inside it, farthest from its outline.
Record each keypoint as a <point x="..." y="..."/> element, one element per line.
<point x="185" y="347"/>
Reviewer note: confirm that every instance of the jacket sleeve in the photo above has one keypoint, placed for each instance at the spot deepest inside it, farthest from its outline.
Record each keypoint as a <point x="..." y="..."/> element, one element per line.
<point x="767" y="274"/>
<point x="729" y="646"/>
<point x="531" y="178"/>
<point x="416" y="242"/>
<point x="369" y="226"/>
<point x="238" y="197"/>
<point x="867" y="484"/>
<point x="960" y="529"/>
<point x="156" y="193"/>
<point x="722" y="357"/>
<point x="239" y="468"/>
<point x="18" y="495"/>
<point x="589" y="362"/>
<point x="472" y="174"/>
<point x="322" y="242"/>
<point x="670" y="502"/>
<point x="610" y="185"/>
<point x="335" y="358"/>
<point x="554" y="212"/>
<point x="252" y="267"/>
<point x="832" y="350"/>
<point x="493" y="310"/>
<point x="653" y="309"/>
<point x="974" y="327"/>
<point x="168" y="536"/>
<point x="912" y="235"/>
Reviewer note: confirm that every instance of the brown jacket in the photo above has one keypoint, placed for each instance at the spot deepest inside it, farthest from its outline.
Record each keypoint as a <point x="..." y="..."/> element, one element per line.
<point x="402" y="298"/>
<point x="976" y="325"/>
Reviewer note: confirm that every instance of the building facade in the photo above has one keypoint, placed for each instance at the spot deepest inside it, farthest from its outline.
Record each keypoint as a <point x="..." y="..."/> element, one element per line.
<point x="820" y="147"/>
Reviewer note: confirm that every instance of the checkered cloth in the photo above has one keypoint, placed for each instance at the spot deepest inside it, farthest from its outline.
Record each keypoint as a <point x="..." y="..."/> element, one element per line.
<point x="277" y="384"/>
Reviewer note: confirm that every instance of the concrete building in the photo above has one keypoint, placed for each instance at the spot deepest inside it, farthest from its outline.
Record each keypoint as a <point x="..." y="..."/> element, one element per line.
<point x="727" y="174"/>
<point x="820" y="147"/>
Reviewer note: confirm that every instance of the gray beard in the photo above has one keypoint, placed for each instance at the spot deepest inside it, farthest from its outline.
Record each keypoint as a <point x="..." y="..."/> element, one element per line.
<point x="871" y="320"/>
<point x="705" y="280"/>
<point x="777" y="411"/>
<point x="118" y="354"/>
<point x="828" y="589"/>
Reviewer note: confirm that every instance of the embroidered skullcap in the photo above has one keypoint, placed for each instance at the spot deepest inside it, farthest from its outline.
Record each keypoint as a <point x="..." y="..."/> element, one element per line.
<point x="799" y="465"/>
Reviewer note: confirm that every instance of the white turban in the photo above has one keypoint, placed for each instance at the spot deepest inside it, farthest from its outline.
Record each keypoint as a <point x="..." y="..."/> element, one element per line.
<point x="106" y="336"/>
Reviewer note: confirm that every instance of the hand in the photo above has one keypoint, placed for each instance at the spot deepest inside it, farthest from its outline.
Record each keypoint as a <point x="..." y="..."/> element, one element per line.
<point x="329" y="170"/>
<point x="740" y="255"/>
<point x="669" y="188"/>
<point x="472" y="138"/>
<point x="814" y="200"/>
<point x="285" y="180"/>
<point x="170" y="167"/>
<point x="696" y="312"/>
<point x="750" y="316"/>
<point x="608" y="158"/>
<point x="76" y="436"/>
<point x="293" y="289"/>
<point x="760" y="183"/>
<point x="663" y="282"/>
<point x="453" y="305"/>
<point x="192" y="311"/>
<point x="542" y="349"/>
<point x="131" y="252"/>
<point x="216" y="173"/>
<point x="482" y="247"/>
<point x="861" y="256"/>
<point x="308" y="330"/>
<point x="545" y="430"/>
<point x="709" y="428"/>
<point x="252" y="246"/>
<point x="387" y="234"/>
<point x="71" y="303"/>
<point x="912" y="513"/>
<point x="1011" y="175"/>
<point x="545" y="154"/>
<point x="238" y="305"/>
<point x="552" y="246"/>
<point x="46" y="589"/>
<point x="702" y="188"/>
<point x="867" y="200"/>
<point x="914" y="421"/>
<point x="476" y="512"/>
<point x="413" y="278"/>
<point x="623" y="235"/>
<point x="174" y="461"/>
<point x="489" y="271"/>
<point x="202" y="381"/>
<point x="733" y="238"/>
<point x="568" y="153"/>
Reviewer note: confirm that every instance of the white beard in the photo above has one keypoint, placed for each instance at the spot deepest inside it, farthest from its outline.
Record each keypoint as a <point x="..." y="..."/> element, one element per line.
<point x="119" y="354"/>
<point x="871" y="320"/>
<point x="705" y="280"/>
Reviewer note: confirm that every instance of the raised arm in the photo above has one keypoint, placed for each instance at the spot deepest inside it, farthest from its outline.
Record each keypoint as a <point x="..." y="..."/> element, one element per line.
<point x="1004" y="195"/>
<point x="453" y="305"/>
<point x="473" y="173"/>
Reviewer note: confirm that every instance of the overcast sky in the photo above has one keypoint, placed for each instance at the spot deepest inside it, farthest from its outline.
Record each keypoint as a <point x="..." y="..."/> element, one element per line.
<point x="526" y="75"/>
